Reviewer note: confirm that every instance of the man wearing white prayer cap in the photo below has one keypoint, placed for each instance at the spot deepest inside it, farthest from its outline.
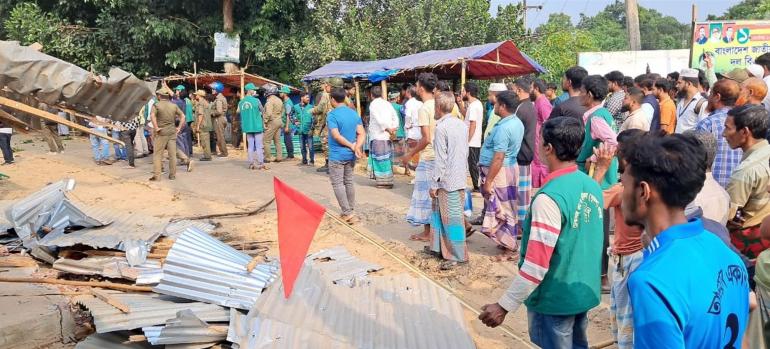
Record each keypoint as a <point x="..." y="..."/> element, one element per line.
<point x="492" y="118"/>
<point x="692" y="106"/>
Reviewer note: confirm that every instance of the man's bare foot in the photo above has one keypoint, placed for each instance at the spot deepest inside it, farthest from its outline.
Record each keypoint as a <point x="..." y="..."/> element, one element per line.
<point x="420" y="237"/>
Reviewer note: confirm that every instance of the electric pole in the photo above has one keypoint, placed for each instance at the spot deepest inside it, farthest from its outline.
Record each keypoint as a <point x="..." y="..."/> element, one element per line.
<point x="632" y="23"/>
<point x="527" y="8"/>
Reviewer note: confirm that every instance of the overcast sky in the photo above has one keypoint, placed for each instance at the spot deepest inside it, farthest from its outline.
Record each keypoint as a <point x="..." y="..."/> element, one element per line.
<point x="679" y="9"/>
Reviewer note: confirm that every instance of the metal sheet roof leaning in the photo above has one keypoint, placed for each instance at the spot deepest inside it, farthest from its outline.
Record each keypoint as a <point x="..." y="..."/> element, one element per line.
<point x="145" y="310"/>
<point x="185" y="328"/>
<point x="111" y="267"/>
<point x="202" y="268"/>
<point x="50" y="208"/>
<point x="118" y="96"/>
<point x="339" y="266"/>
<point x="372" y="314"/>
<point x="258" y="333"/>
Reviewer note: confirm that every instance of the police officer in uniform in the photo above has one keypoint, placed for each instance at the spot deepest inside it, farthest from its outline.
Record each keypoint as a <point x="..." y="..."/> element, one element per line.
<point x="320" y="111"/>
<point x="164" y="116"/>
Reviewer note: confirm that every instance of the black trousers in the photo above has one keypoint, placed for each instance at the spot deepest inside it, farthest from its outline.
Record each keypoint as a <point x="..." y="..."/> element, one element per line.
<point x="127" y="136"/>
<point x="5" y="146"/>
<point x="473" y="165"/>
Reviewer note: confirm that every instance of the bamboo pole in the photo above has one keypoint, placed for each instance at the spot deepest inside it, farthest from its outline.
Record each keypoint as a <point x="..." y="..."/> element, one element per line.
<point x="110" y="285"/>
<point x="16" y="123"/>
<point x="243" y="134"/>
<point x="55" y="118"/>
<point x="89" y="118"/>
<point x="358" y="98"/>
<point x="384" y="85"/>
<point x="195" y="74"/>
<point x="464" y="66"/>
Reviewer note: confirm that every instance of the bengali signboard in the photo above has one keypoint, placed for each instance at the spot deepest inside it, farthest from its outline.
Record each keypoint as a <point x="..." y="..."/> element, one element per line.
<point x="227" y="48"/>
<point x="731" y="44"/>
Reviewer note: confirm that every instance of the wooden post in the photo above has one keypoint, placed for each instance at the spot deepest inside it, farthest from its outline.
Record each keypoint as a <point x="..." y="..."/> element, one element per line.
<point x="384" y="85"/>
<point x="632" y="23"/>
<point x="358" y="98"/>
<point x="195" y="74"/>
<point x="243" y="94"/>
<point x="692" y="30"/>
<point x="52" y="117"/>
<point x="463" y="66"/>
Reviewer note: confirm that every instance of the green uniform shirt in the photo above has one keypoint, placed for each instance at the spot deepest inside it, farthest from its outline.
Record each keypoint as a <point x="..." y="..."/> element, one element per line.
<point x="202" y="110"/>
<point x="251" y="117"/>
<point x="165" y="115"/>
<point x="571" y="285"/>
<point x="320" y="111"/>
<point x="305" y="118"/>
<point x="587" y="150"/>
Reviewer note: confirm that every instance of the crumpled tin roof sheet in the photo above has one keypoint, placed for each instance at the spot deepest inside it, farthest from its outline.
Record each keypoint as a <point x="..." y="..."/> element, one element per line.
<point x="174" y="229"/>
<point x="185" y="328"/>
<point x="338" y="265"/>
<point x="118" y="96"/>
<point x="125" y="226"/>
<point x="202" y="268"/>
<point x="145" y="309"/>
<point x="384" y="312"/>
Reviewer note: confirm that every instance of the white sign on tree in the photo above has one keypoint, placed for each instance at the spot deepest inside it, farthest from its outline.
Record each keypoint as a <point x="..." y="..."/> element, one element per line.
<point x="227" y="48"/>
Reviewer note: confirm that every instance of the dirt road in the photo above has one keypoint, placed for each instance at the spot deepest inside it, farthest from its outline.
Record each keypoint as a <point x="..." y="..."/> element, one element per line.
<point x="226" y="185"/>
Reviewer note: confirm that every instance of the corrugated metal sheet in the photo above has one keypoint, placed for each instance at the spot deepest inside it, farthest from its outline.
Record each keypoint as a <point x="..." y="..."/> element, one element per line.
<point x="113" y="340"/>
<point x="338" y="265"/>
<point x="258" y="333"/>
<point x="385" y="312"/>
<point x="174" y="229"/>
<point x="149" y="276"/>
<point x="202" y="268"/>
<point x="185" y="328"/>
<point x="145" y="310"/>
<point x="125" y="226"/>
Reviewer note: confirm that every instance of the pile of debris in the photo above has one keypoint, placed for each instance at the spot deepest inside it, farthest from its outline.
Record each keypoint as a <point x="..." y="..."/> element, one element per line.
<point x="199" y="292"/>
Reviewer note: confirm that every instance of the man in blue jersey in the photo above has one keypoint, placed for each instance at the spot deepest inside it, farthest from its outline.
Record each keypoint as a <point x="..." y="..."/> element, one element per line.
<point x="691" y="290"/>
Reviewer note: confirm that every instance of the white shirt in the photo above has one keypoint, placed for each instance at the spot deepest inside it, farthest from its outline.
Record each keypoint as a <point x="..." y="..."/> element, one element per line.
<point x="410" y="124"/>
<point x="714" y="200"/>
<point x="686" y="118"/>
<point x="648" y="111"/>
<point x="636" y="120"/>
<point x="475" y="112"/>
<point x="382" y="116"/>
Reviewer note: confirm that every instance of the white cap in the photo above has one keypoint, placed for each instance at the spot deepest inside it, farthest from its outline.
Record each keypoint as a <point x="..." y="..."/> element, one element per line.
<point x="688" y="73"/>
<point x="756" y="70"/>
<point x="497" y="87"/>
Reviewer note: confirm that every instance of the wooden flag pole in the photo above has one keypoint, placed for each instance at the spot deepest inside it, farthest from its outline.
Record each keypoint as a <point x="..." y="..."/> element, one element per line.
<point x="243" y="134"/>
<point x="358" y="98"/>
<point x="55" y="118"/>
<point x="195" y="74"/>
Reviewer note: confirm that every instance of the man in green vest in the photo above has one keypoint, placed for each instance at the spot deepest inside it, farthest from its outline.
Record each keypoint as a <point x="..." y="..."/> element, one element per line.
<point x="253" y="126"/>
<point x="289" y="121"/>
<point x="164" y="115"/>
<point x="558" y="278"/>
<point x="305" y="129"/>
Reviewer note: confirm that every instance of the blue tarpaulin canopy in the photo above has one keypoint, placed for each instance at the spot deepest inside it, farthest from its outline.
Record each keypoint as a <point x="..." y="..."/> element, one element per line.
<point x="488" y="61"/>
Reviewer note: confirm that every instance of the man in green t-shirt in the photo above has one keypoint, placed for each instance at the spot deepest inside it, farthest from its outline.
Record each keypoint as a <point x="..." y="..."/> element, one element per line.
<point x="253" y="126"/>
<point x="305" y="129"/>
<point x="558" y="276"/>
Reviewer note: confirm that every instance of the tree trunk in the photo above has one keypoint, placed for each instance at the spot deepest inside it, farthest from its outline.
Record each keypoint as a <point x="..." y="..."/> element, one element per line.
<point x="227" y="16"/>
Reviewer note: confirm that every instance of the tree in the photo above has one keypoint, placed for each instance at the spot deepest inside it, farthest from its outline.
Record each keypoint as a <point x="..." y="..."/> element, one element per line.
<point x="747" y="9"/>
<point x="557" y="43"/>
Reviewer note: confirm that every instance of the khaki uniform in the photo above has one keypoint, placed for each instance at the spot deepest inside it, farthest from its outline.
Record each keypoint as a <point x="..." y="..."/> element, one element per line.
<point x="320" y="111"/>
<point x="165" y="137"/>
<point x="202" y="112"/>
<point x="219" y="122"/>
<point x="274" y="112"/>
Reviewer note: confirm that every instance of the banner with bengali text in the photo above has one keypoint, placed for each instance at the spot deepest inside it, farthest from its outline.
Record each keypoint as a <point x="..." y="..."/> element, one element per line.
<point x="731" y="44"/>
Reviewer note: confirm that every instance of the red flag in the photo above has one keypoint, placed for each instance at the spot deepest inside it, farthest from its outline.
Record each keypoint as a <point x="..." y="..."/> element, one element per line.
<point x="298" y="219"/>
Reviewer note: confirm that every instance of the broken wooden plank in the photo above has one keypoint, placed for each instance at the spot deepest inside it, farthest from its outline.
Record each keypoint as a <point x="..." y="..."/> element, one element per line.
<point x="55" y="118"/>
<point x="17" y="262"/>
<point x="107" y="298"/>
<point x="15" y="122"/>
<point x="109" y="285"/>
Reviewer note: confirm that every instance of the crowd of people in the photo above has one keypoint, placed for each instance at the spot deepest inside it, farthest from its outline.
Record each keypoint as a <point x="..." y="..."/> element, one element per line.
<point x="681" y="162"/>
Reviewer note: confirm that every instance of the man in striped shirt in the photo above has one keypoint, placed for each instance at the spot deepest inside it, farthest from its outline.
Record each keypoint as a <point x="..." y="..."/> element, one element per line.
<point x="561" y="248"/>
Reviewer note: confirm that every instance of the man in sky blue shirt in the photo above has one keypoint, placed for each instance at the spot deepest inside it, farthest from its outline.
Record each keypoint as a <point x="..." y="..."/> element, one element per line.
<point x="691" y="290"/>
<point x="346" y="136"/>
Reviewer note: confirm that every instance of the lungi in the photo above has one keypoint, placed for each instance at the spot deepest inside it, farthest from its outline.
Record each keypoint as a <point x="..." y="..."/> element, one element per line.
<point x="525" y="194"/>
<point x="749" y="241"/>
<point x="421" y="205"/>
<point x="447" y="228"/>
<point x="621" y="312"/>
<point x="500" y="209"/>
<point x="380" y="162"/>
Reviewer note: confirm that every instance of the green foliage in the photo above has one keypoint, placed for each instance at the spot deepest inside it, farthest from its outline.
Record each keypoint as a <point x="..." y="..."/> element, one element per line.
<point x="556" y="45"/>
<point x="747" y="9"/>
